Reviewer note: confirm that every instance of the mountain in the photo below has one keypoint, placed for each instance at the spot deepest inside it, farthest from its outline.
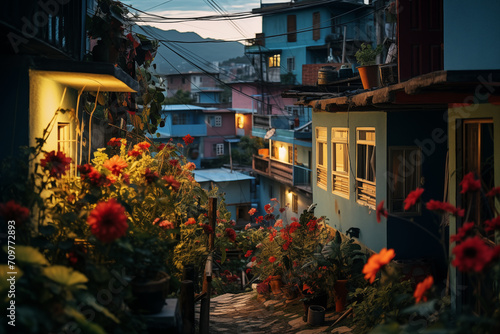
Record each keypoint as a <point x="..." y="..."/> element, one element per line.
<point x="175" y="57"/>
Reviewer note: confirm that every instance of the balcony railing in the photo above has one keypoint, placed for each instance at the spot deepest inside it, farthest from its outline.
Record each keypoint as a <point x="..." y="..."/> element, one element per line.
<point x="194" y="130"/>
<point x="285" y="173"/>
<point x="279" y="121"/>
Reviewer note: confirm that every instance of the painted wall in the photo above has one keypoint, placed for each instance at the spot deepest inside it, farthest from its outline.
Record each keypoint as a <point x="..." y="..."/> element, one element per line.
<point x="235" y="192"/>
<point x="241" y="96"/>
<point x="471" y="35"/>
<point x="409" y="235"/>
<point x="208" y="147"/>
<point x="45" y="98"/>
<point x="14" y="129"/>
<point x="345" y="213"/>
<point x="227" y="128"/>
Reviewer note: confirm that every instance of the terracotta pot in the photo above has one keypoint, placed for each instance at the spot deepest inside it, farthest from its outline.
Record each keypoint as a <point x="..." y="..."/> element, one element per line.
<point x="149" y="295"/>
<point x="340" y="288"/>
<point x="319" y="300"/>
<point x="276" y="284"/>
<point x="291" y="291"/>
<point x="370" y="76"/>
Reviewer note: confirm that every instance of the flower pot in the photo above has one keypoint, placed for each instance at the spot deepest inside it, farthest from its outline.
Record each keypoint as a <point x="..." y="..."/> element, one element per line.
<point x="309" y="300"/>
<point x="340" y="288"/>
<point x="276" y="284"/>
<point x="370" y="76"/>
<point x="149" y="295"/>
<point x="290" y="291"/>
<point x="316" y="315"/>
<point x="262" y="290"/>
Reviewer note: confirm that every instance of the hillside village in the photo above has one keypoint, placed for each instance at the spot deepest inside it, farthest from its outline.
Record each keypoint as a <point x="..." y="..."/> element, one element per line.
<point x="338" y="173"/>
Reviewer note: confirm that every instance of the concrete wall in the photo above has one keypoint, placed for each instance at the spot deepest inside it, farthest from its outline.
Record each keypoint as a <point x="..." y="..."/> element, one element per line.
<point x="471" y="35"/>
<point x="344" y="213"/>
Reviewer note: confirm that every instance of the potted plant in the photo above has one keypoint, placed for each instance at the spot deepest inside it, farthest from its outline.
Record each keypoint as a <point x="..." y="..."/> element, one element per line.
<point x="348" y="258"/>
<point x="368" y="71"/>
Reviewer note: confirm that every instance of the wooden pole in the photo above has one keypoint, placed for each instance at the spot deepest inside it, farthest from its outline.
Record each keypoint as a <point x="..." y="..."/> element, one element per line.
<point x="187" y="307"/>
<point x="207" y="274"/>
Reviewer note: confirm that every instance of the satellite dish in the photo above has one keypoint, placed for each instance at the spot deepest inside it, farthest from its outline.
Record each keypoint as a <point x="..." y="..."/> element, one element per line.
<point x="270" y="133"/>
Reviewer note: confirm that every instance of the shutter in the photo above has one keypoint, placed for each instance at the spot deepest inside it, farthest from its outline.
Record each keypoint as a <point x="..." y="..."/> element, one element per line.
<point x="291" y="24"/>
<point x="316" y="26"/>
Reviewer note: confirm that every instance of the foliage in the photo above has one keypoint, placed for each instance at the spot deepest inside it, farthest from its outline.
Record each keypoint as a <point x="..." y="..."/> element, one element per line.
<point x="366" y="54"/>
<point x="180" y="97"/>
<point x="247" y="147"/>
<point x="380" y="303"/>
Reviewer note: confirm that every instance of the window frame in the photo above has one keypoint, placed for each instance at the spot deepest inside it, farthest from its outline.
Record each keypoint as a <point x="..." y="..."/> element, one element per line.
<point x="219" y="149"/>
<point x="416" y="209"/>
<point x="321" y="168"/>
<point x="343" y="177"/>
<point x="369" y="187"/>
<point x="275" y="61"/>
<point x="290" y="64"/>
<point x="67" y="144"/>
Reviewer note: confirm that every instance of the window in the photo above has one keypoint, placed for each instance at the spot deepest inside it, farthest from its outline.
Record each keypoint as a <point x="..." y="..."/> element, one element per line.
<point x="365" y="166"/>
<point x="216" y="121"/>
<point x="67" y="145"/>
<point x="219" y="149"/>
<point x="179" y="119"/>
<point x="316" y="26"/>
<point x="274" y="61"/>
<point x="291" y="28"/>
<point x="335" y="23"/>
<point x="183" y="80"/>
<point x="290" y="64"/>
<point x="295" y="203"/>
<point x="403" y="177"/>
<point x="321" y="157"/>
<point x="340" y="161"/>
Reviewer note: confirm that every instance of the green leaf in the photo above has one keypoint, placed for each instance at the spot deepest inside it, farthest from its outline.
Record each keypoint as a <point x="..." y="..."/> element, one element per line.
<point x="92" y="302"/>
<point x="64" y="275"/>
<point x="4" y="269"/>
<point x="29" y="255"/>
<point x="223" y="253"/>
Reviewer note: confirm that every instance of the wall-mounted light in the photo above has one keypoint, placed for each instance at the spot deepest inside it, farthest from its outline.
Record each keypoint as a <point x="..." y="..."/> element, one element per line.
<point x="240" y="122"/>
<point x="282" y="153"/>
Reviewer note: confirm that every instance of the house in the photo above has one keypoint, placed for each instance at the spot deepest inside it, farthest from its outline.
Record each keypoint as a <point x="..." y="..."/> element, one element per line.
<point x="42" y="62"/>
<point x="203" y="87"/>
<point x="308" y="32"/>
<point x="211" y="129"/>
<point x="439" y="122"/>
<point x="236" y="187"/>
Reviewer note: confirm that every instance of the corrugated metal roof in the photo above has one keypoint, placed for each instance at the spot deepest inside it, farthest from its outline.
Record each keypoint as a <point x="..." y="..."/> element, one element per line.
<point x="219" y="175"/>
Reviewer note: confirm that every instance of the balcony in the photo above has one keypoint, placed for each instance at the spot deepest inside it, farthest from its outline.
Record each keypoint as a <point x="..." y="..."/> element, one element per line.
<point x="286" y="122"/>
<point x="195" y="130"/>
<point x="293" y="175"/>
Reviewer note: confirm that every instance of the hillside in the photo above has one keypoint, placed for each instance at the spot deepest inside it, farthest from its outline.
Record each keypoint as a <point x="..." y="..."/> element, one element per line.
<point x="178" y="57"/>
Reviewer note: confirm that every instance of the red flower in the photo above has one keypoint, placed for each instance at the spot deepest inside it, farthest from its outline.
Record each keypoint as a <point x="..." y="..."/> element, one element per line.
<point x="56" y="163"/>
<point x="472" y="254"/>
<point x="144" y="146"/>
<point x="444" y="207"/>
<point x="253" y="259"/>
<point x="462" y="232"/>
<point x="171" y="182"/>
<point x="188" y="139"/>
<point x="191" y="221"/>
<point x="422" y="288"/>
<point x="272" y="259"/>
<point x="493" y="192"/>
<point x="150" y="176"/>
<point x="166" y="225"/>
<point x="13" y="211"/>
<point x="249" y="253"/>
<point x="313" y="224"/>
<point x="259" y="219"/>
<point x="282" y="210"/>
<point x="287" y="244"/>
<point x="293" y="227"/>
<point x="134" y="153"/>
<point x="108" y="221"/>
<point x="377" y="261"/>
<point x="381" y="211"/>
<point x="207" y="229"/>
<point x="493" y="224"/>
<point x="470" y="183"/>
<point x="173" y="162"/>
<point x="161" y="147"/>
<point x="413" y="197"/>
<point x="272" y="235"/>
<point x="115" y="142"/>
<point x="268" y="208"/>
<point x="115" y="165"/>
<point x="231" y="234"/>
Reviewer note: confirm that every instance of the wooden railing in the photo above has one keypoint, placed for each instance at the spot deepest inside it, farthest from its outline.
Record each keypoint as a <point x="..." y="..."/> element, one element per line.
<point x="261" y="164"/>
<point x="282" y="172"/>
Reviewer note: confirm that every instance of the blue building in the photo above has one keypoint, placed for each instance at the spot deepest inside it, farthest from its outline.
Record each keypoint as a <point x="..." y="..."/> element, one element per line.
<point x="309" y="32"/>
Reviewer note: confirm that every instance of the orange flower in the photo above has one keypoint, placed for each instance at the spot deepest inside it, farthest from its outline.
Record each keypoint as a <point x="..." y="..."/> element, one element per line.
<point x="191" y="221"/>
<point x="376" y="262"/>
<point x="422" y="287"/>
<point x="272" y="259"/>
<point x="115" y="165"/>
<point x="108" y="221"/>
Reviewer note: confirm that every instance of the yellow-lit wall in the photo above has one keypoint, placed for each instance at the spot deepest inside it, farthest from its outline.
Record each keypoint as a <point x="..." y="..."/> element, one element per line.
<point x="45" y="96"/>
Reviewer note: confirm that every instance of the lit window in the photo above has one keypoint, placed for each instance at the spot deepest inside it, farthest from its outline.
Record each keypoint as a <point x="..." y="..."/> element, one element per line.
<point x="295" y="203"/>
<point x="340" y="162"/>
<point x="403" y="177"/>
<point x="321" y="157"/>
<point x="365" y="167"/>
<point x="66" y="143"/>
<point x="274" y="61"/>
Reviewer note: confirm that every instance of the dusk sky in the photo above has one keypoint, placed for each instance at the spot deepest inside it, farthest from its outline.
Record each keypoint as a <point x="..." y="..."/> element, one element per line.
<point x="237" y="30"/>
